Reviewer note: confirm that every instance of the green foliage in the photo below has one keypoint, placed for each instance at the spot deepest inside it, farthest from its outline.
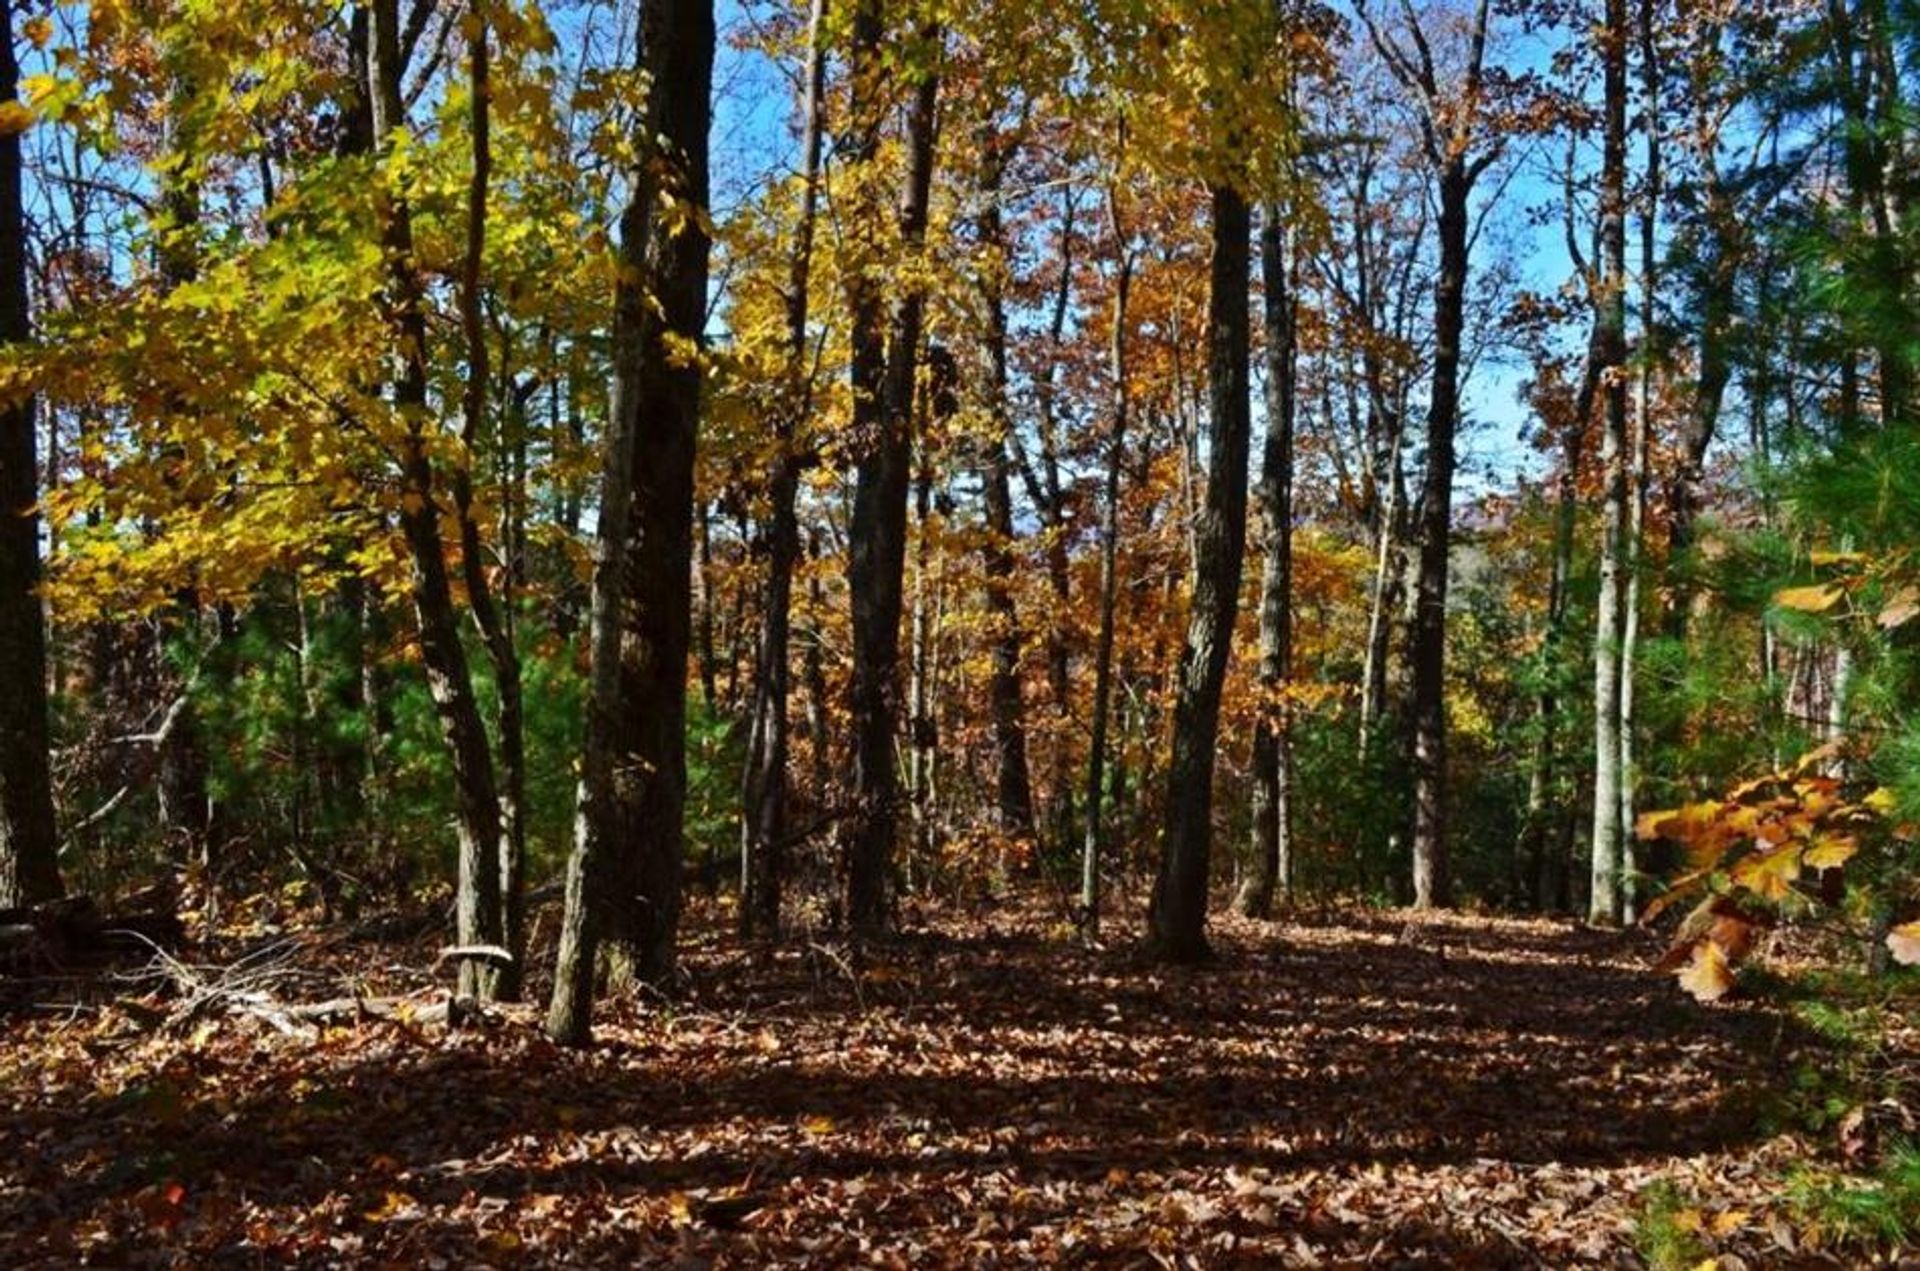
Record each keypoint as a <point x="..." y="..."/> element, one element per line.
<point x="1666" y="1231"/>
<point x="1879" y="1211"/>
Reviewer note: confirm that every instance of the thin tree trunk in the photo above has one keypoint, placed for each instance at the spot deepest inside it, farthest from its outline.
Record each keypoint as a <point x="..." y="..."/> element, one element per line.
<point x="883" y="404"/>
<point x="478" y="916"/>
<point x="764" y="822"/>
<point x="494" y="631"/>
<point x="1272" y="758"/>
<point x="29" y="850"/>
<point x="1606" y="898"/>
<point x="1177" y="920"/>
<point x="1013" y="785"/>
<point x="1118" y="371"/>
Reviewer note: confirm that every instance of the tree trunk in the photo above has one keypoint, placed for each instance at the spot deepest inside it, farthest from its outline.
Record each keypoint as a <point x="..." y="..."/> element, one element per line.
<point x="764" y="821"/>
<point x="1013" y="786"/>
<point x="677" y="44"/>
<point x="29" y="850"/>
<point x="1177" y="920"/>
<point x="478" y="916"/>
<point x="1432" y="878"/>
<point x="1606" y="898"/>
<point x="495" y="631"/>
<point x="676" y="49"/>
<point x="1095" y="848"/>
<point x="883" y="386"/>
<point x="1272" y="758"/>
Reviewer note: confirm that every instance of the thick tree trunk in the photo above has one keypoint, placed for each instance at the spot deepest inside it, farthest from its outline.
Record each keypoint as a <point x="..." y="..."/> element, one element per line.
<point x="883" y="412"/>
<point x="608" y="865"/>
<point x="478" y="916"/>
<point x="1272" y="864"/>
<point x="677" y="43"/>
<point x="763" y="823"/>
<point x="29" y="860"/>
<point x="1606" y="898"/>
<point x="1177" y="920"/>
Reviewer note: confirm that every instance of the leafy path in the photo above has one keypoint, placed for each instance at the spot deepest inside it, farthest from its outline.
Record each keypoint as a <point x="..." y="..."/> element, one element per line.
<point x="1367" y="1089"/>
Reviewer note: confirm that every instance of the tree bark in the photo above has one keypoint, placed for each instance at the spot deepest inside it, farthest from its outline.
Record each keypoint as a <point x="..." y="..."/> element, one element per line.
<point x="764" y="823"/>
<point x="478" y="917"/>
<point x="1095" y="848"/>
<point x="1177" y="919"/>
<point x="883" y="384"/>
<point x="1013" y="785"/>
<point x="29" y="850"/>
<point x="676" y="49"/>
<point x="677" y="45"/>
<point x="1606" y="897"/>
<point x="1272" y="864"/>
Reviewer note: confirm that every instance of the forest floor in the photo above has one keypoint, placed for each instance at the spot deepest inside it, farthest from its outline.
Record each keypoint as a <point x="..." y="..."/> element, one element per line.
<point x="1348" y="1088"/>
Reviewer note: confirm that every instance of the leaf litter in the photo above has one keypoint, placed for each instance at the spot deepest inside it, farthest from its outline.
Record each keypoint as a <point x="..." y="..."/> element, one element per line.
<point x="1348" y="1089"/>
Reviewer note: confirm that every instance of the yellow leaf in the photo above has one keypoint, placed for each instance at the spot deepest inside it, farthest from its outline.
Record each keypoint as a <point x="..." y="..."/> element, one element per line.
<point x="1817" y="598"/>
<point x="1830" y="851"/>
<point x="1728" y="1223"/>
<point x="1882" y="801"/>
<point x="1904" y="943"/>
<point x="1824" y="557"/>
<point x="1708" y="977"/>
<point x="817" y="1125"/>
<point x="15" y="118"/>
<point x="393" y="1204"/>
<point x="1771" y="874"/>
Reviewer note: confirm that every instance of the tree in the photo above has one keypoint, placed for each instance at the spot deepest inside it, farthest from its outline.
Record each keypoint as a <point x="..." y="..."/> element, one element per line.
<point x="29" y="864"/>
<point x="654" y="397"/>
<point x="1607" y="898"/>
<point x="884" y="381"/>
<point x="764" y="821"/>
<point x="1177" y="919"/>
<point x="1450" y="122"/>
<point x="1272" y="753"/>
<point x="479" y="918"/>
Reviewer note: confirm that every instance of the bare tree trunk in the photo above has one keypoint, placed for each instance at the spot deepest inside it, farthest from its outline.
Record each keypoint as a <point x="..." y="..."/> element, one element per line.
<point x="29" y="850"/>
<point x="1638" y="460"/>
<point x="1606" y="899"/>
<point x="1013" y="784"/>
<point x="1177" y="920"/>
<point x="764" y="822"/>
<point x="1095" y="848"/>
<point x="479" y="920"/>
<point x="1272" y="866"/>
<point x="676" y="49"/>
<point x="883" y="405"/>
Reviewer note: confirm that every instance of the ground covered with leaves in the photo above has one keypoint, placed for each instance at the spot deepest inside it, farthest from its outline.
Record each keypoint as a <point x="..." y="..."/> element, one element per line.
<point x="1361" y="1088"/>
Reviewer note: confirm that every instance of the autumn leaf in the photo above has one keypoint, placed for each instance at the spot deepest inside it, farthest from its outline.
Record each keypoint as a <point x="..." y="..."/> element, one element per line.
<point x="1904" y="943"/>
<point x="1816" y="598"/>
<point x="1708" y="975"/>
<point x="1900" y="608"/>
<point x="1770" y="874"/>
<point x="1830" y="851"/>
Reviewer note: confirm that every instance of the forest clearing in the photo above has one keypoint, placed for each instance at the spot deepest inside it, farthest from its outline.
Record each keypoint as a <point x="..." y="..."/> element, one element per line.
<point x="949" y="632"/>
<point x="1370" y="1089"/>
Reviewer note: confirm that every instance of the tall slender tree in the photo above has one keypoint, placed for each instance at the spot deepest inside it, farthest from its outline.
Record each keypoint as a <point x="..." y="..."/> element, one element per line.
<point x="29" y="864"/>
<point x="1177" y="918"/>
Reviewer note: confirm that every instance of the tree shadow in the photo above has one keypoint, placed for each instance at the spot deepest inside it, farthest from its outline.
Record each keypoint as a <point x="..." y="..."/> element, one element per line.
<point x="947" y="1068"/>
